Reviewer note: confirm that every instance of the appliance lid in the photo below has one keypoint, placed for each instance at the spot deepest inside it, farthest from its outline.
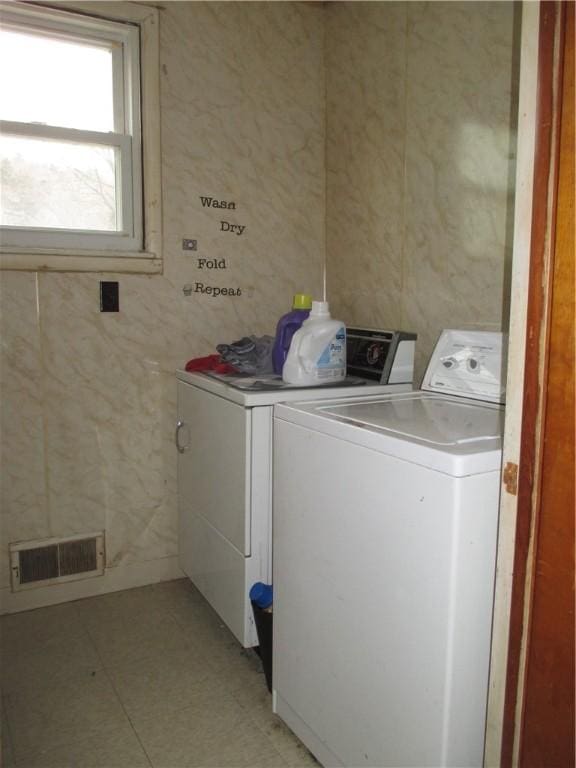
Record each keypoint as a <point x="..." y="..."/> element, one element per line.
<point x="263" y="396"/>
<point x="440" y="422"/>
<point x="273" y="383"/>
<point x="468" y="364"/>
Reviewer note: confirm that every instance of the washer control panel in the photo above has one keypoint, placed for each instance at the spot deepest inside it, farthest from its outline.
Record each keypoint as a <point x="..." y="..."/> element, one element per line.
<point x="469" y="364"/>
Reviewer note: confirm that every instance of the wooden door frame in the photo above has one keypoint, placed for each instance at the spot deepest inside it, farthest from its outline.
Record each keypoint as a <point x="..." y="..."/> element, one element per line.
<point x="548" y="113"/>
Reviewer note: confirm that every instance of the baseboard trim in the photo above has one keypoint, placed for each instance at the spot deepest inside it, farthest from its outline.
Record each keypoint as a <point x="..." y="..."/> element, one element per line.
<point x="113" y="580"/>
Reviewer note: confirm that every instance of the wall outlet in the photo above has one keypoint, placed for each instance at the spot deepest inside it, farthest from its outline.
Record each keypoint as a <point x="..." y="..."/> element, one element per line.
<point x="109" y="296"/>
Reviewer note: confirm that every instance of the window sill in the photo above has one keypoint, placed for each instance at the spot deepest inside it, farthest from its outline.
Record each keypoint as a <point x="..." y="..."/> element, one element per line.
<point x="84" y="261"/>
<point x="40" y="259"/>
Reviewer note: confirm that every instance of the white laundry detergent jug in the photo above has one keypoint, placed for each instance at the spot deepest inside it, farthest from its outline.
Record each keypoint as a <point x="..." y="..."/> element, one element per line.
<point x="317" y="353"/>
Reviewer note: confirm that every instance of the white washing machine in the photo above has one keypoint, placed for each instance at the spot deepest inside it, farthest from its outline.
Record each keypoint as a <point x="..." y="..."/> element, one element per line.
<point x="224" y="442"/>
<point x="385" y="523"/>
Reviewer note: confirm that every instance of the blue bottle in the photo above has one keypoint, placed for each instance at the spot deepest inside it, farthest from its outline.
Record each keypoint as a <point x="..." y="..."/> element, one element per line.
<point x="287" y="327"/>
<point x="261" y="594"/>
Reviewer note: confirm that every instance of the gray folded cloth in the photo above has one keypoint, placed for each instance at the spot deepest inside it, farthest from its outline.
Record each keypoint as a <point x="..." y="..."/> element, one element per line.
<point x="250" y="355"/>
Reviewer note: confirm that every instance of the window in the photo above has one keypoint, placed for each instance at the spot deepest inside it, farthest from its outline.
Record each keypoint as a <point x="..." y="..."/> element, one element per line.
<point x="79" y="161"/>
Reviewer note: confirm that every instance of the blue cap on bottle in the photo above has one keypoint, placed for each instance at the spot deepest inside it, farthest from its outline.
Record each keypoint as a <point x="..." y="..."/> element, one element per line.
<point x="261" y="594"/>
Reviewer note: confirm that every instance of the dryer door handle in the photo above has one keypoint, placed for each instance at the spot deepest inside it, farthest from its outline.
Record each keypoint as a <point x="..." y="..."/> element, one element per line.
<point x="179" y="447"/>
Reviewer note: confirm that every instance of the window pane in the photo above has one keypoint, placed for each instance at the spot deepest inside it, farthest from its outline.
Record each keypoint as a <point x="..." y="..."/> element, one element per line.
<point x="55" y="82"/>
<point x="57" y="184"/>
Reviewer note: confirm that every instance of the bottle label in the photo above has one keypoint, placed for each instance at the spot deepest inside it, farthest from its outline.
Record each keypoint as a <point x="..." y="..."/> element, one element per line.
<point x="333" y="358"/>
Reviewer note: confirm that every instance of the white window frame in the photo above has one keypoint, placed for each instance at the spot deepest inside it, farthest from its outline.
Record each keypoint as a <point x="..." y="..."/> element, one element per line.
<point x="137" y="247"/>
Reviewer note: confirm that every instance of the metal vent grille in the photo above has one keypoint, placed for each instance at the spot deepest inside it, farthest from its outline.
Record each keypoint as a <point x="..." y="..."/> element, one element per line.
<point x="37" y="563"/>
<point x="77" y="556"/>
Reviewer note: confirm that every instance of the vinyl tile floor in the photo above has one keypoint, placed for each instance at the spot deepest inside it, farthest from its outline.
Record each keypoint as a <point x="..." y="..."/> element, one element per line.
<point x="140" y="678"/>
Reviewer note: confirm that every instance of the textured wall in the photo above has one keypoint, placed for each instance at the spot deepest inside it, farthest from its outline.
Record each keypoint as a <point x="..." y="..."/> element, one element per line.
<point x="88" y="400"/>
<point x="418" y="118"/>
<point x="420" y="164"/>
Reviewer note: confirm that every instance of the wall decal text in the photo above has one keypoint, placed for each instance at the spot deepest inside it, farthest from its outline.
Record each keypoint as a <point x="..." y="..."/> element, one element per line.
<point x="214" y="290"/>
<point x="211" y="263"/>
<point x="225" y="226"/>
<point x="211" y="202"/>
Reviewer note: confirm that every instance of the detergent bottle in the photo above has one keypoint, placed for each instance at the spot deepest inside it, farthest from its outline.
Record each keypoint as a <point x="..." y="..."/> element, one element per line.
<point x="317" y="353"/>
<point x="287" y="327"/>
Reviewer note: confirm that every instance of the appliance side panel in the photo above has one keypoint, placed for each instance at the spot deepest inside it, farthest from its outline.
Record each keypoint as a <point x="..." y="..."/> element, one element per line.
<point x="362" y="571"/>
<point x="220" y="572"/>
<point x="184" y="438"/>
<point x="470" y="624"/>
<point x="213" y="472"/>
<point x="261" y="497"/>
<point x="214" y="491"/>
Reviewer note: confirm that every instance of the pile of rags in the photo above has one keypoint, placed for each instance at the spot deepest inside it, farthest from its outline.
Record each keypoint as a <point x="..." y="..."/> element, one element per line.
<point x="250" y="355"/>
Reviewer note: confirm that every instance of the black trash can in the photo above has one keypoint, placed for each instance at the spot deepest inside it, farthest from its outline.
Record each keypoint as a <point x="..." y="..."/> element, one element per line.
<point x="263" y="621"/>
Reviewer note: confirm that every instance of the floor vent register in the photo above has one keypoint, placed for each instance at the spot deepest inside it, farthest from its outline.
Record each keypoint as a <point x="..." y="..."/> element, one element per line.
<point x="53" y="561"/>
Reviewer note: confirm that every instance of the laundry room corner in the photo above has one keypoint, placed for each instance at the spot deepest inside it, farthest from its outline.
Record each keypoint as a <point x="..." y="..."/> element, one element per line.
<point x="420" y="164"/>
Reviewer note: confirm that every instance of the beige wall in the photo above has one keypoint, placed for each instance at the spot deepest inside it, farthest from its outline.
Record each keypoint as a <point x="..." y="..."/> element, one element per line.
<point x="420" y="164"/>
<point x="88" y="400"/>
<point x="418" y="119"/>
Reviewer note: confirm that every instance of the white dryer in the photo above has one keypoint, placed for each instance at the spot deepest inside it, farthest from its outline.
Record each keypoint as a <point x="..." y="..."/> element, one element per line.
<point x="385" y="522"/>
<point x="224" y="442"/>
